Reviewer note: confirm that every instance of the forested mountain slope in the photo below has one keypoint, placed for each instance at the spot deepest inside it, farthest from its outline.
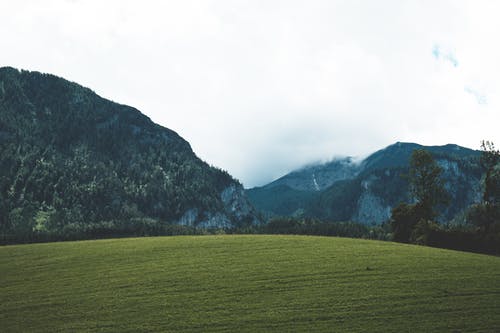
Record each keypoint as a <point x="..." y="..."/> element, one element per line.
<point x="71" y="161"/>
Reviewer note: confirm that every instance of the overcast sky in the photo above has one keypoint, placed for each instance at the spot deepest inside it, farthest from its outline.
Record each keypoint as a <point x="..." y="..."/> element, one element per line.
<point x="260" y="88"/>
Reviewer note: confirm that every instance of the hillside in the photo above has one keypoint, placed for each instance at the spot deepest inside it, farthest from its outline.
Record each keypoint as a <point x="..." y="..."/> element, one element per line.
<point x="246" y="284"/>
<point x="73" y="163"/>
<point x="366" y="191"/>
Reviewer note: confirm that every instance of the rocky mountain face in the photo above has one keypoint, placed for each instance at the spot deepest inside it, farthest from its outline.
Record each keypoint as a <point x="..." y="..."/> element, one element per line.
<point x="367" y="191"/>
<point x="70" y="159"/>
<point x="319" y="177"/>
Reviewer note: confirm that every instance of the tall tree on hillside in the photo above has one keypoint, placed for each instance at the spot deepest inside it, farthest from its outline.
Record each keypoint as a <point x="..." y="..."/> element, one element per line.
<point x="486" y="215"/>
<point x="490" y="159"/>
<point x="426" y="185"/>
<point x="427" y="189"/>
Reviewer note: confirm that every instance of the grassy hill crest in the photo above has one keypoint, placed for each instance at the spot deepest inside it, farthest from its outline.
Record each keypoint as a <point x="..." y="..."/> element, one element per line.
<point x="247" y="284"/>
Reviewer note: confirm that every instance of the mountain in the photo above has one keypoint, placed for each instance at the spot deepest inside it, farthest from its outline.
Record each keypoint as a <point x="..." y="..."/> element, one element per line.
<point x="320" y="176"/>
<point x="292" y="193"/>
<point x="71" y="161"/>
<point x="366" y="192"/>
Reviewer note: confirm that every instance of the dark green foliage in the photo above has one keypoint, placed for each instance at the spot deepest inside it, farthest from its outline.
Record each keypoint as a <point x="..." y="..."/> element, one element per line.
<point x="490" y="159"/>
<point x="422" y="230"/>
<point x="408" y="227"/>
<point x="404" y="218"/>
<point x="338" y="202"/>
<point x="280" y="200"/>
<point x="426" y="185"/>
<point x="411" y="222"/>
<point x="463" y="239"/>
<point x="308" y="226"/>
<point x="72" y="162"/>
<point x="389" y="184"/>
<point x="486" y="215"/>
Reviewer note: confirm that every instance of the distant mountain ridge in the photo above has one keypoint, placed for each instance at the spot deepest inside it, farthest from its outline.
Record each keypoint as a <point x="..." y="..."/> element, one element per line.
<point x="366" y="191"/>
<point x="71" y="160"/>
<point x="318" y="177"/>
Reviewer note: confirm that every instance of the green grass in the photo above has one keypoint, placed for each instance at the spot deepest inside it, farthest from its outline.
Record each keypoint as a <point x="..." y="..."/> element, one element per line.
<point x="246" y="284"/>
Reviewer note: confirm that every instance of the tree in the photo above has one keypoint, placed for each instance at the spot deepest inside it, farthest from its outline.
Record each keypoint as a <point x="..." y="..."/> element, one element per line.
<point x="426" y="186"/>
<point x="427" y="189"/>
<point x="490" y="159"/>
<point x="486" y="215"/>
<point x="404" y="217"/>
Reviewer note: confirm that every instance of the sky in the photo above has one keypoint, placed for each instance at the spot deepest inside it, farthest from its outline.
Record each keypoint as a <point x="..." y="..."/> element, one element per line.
<point x="260" y="88"/>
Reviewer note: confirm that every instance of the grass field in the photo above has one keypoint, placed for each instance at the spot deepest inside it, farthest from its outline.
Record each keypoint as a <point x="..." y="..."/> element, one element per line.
<point x="246" y="284"/>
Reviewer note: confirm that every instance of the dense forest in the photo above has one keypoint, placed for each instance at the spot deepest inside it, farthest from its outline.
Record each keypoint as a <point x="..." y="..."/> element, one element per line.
<point x="73" y="165"/>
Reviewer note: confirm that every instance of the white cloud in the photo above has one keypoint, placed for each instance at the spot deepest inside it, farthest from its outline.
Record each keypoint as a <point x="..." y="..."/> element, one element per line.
<point x="481" y="99"/>
<point x="262" y="87"/>
<point x="446" y="55"/>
